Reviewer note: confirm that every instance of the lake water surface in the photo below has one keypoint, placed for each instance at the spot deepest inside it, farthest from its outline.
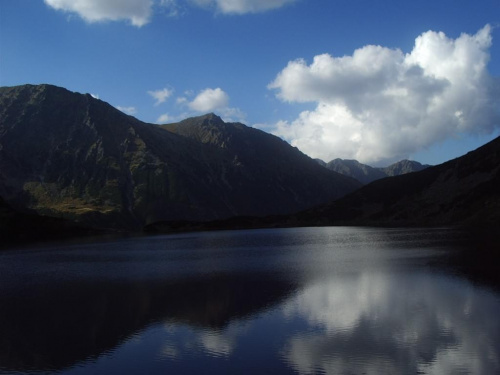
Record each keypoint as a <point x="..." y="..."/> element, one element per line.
<point x="279" y="301"/>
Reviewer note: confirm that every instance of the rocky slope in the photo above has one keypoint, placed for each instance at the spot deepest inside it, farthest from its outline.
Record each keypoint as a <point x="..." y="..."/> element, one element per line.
<point x="72" y="156"/>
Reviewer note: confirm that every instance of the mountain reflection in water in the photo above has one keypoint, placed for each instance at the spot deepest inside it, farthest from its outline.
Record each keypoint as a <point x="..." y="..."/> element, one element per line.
<point x="307" y="300"/>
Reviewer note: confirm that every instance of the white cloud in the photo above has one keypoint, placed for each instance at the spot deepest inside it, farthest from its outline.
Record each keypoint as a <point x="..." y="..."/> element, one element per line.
<point x="181" y="100"/>
<point x="214" y="100"/>
<point x="164" y="119"/>
<point x="127" y="110"/>
<point x="138" y="12"/>
<point x="209" y="100"/>
<point x="167" y="118"/>
<point x="232" y="115"/>
<point x="161" y="95"/>
<point x="382" y="105"/>
<point x="242" y="6"/>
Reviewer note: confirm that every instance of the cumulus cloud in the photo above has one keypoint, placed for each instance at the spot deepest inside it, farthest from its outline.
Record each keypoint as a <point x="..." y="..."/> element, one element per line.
<point x="213" y="100"/>
<point x="209" y="100"/>
<point x="127" y="110"/>
<point x="161" y="96"/>
<point x="138" y="12"/>
<point x="242" y="6"/>
<point x="380" y="104"/>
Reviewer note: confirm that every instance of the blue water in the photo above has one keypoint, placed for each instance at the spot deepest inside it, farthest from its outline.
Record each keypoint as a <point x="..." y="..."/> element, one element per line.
<point x="283" y="301"/>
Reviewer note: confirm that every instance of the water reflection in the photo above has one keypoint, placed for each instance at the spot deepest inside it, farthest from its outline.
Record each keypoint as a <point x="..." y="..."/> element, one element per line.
<point x="218" y="343"/>
<point x="54" y="326"/>
<point x="310" y="300"/>
<point x="379" y="323"/>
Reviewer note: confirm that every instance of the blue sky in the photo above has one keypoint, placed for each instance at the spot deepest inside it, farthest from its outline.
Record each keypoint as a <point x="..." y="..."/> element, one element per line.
<point x="376" y="81"/>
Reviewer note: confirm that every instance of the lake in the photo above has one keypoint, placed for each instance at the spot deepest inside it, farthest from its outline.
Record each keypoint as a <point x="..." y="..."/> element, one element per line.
<point x="276" y="301"/>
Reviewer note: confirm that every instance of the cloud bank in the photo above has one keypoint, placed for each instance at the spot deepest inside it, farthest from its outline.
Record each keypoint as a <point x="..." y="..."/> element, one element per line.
<point x="381" y="105"/>
<point x="138" y="12"/>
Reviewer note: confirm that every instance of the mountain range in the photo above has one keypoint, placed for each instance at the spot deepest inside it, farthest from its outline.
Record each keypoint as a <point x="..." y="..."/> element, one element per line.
<point x="68" y="160"/>
<point x="366" y="174"/>
<point x="71" y="156"/>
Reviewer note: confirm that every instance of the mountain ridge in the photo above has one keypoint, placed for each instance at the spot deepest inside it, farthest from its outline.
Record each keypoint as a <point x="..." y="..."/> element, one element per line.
<point x="366" y="174"/>
<point x="72" y="156"/>
<point x="463" y="192"/>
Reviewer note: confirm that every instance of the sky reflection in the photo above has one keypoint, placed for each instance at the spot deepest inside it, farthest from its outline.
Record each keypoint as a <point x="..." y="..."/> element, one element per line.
<point x="386" y="323"/>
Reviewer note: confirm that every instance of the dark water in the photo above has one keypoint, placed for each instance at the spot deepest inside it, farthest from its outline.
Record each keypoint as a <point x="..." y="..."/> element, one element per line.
<point x="305" y="301"/>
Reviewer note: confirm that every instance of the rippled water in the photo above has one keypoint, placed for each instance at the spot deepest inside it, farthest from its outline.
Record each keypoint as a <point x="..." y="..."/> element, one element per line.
<point x="304" y="301"/>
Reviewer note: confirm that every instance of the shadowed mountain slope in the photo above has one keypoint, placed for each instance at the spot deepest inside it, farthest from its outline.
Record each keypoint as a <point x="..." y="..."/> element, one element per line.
<point x="72" y="156"/>
<point x="463" y="191"/>
<point x="263" y="167"/>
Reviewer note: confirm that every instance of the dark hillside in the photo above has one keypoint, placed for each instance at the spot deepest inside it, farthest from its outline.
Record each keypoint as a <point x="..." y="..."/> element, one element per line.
<point x="72" y="156"/>
<point x="463" y="191"/>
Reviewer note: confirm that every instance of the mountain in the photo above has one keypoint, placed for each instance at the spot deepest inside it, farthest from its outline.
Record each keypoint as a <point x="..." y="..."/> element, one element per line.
<point x="463" y="191"/>
<point x="403" y="167"/>
<point x="265" y="171"/>
<point x="366" y="174"/>
<point x="352" y="168"/>
<point x="72" y="156"/>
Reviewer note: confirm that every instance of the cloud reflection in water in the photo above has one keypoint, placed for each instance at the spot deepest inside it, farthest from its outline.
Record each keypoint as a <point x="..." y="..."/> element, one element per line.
<point x="376" y="323"/>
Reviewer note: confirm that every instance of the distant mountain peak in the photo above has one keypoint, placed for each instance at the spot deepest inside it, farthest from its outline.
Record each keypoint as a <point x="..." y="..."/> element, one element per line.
<point x="366" y="174"/>
<point x="403" y="167"/>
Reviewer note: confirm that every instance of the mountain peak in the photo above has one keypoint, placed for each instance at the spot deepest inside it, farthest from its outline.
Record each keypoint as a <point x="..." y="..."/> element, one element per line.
<point x="68" y="155"/>
<point x="212" y="116"/>
<point x="366" y="174"/>
<point x="207" y="119"/>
